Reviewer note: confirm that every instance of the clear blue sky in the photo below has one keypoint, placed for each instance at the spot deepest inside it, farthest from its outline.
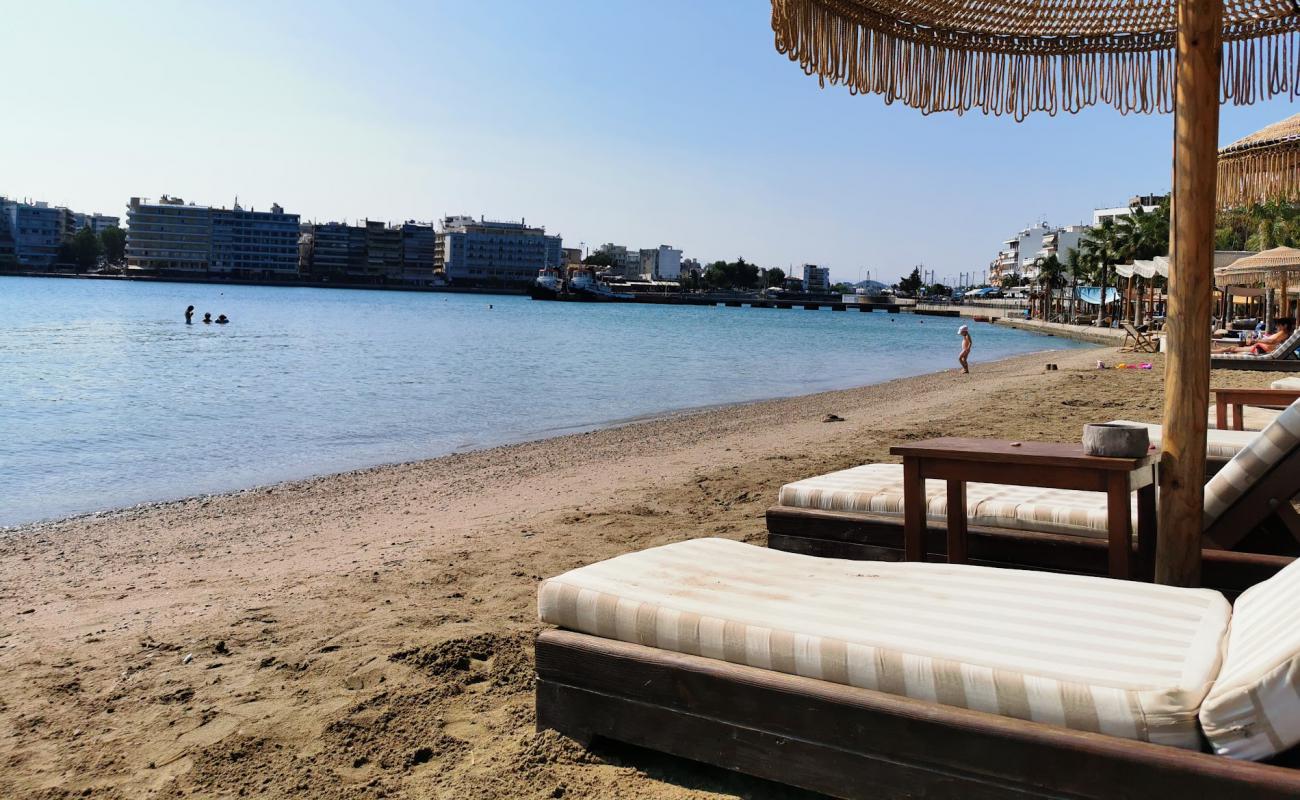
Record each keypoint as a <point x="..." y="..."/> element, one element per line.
<point x="641" y="123"/>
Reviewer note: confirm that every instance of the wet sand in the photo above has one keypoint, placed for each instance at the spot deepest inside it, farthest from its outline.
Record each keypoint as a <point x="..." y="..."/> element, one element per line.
<point x="369" y="634"/>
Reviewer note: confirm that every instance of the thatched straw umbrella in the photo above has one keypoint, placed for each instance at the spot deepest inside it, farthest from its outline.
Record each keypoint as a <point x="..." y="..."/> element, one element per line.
<point x="1261" y="167"/>
<point x="1015" y="57"/>
<point x="1276" y="269"/>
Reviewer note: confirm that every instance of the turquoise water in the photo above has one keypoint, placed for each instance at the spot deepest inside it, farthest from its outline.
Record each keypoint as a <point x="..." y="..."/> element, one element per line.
<point x="108" y="399"/>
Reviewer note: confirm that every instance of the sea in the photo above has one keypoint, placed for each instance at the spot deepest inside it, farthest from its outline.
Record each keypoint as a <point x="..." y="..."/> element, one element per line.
<point x="108" y="399"/>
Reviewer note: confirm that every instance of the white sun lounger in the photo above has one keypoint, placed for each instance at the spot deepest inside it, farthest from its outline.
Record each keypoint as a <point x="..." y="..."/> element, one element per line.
<point x="953" y="677"/>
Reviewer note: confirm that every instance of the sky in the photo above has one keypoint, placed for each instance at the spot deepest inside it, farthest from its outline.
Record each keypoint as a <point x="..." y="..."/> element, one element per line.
<point x="639" y="123"/>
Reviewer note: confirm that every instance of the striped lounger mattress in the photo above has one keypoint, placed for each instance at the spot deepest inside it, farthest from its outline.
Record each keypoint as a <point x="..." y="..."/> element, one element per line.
<point x="1122" y="658"/>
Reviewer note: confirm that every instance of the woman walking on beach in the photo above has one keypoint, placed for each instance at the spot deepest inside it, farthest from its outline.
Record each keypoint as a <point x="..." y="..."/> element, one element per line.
<point x="965" y="349"/>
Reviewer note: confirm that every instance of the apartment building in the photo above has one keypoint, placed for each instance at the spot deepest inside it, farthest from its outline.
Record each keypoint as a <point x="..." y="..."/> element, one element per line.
<point x="816" y="279"/>
<point x="1147" y="202"/>
<point x="418" y="244"/>
<point x="663" y="263"/>
<point x="173" y="236"/>
<point x="627" y="261"/>
<point x="251" y="243"/>
<point x="96" y="222"/>
<point x="36" y="232"/>
<point x="485" y="251"/>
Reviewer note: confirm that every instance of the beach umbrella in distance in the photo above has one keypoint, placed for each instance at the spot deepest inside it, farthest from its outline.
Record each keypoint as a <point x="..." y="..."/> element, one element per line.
<point x="1016" y="57"/>
<point x="1274" y="268"/>
<point x="1277" y="269"/>
<point x="1261" y="167"/>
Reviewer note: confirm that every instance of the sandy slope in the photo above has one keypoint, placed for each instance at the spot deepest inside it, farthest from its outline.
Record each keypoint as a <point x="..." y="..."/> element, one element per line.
<point x="368" y="634"/>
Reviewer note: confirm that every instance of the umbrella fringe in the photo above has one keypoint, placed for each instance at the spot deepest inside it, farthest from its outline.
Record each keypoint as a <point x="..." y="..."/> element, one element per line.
<point x="1259" y="176"/>
<point x="933" y="69"/>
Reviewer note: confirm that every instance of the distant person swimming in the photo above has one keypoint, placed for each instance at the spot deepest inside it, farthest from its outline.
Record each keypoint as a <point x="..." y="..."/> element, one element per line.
<point x="207" y="319"/>
<point x="965" y="349"/>
<point x="189" y="315"/>
<point x="221" y="320"/>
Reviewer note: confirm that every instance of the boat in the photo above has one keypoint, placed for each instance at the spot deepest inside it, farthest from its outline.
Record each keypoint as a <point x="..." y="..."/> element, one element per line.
<point x="547" y="285"/>
<point x="579" y="285"/>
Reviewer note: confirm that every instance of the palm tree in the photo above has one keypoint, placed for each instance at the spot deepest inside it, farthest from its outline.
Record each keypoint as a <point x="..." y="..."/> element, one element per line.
<point x="1074" y="264"/>
<point x="1101" y="245"/>
<point x="1050" y="276"/>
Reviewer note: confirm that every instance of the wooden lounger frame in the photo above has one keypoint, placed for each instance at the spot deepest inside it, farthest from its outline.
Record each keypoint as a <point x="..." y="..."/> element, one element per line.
<point x="1261" y="364"/>
<point x="867" y="537"/>
<point x="855" y="743"/>
<point x="1262" y="521"/>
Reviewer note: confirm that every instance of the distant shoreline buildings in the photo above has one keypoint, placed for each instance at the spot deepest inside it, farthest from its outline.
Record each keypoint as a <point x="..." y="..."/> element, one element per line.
<point x="33" y="234"/>
<point x="1018" y="257"/>
<point x="662" y="263"/>
<point x="177" y="239"/>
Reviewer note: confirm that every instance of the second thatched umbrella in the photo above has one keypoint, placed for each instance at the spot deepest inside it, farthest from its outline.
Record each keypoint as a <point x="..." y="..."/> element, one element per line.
<point x="1262" y="167"/>
<point x="1278" y="268"/>
<point x="1016" y="57"/>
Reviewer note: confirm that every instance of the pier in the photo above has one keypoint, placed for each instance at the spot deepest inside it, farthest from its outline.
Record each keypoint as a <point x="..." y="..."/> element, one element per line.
<point x="731" y="301"/>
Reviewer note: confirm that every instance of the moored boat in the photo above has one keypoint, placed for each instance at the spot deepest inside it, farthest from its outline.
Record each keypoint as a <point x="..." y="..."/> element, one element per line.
<point x="580" y="285"/>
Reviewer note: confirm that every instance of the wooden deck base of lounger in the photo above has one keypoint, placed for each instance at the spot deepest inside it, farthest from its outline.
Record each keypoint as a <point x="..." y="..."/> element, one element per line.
<point x="834" y="534"/>
<point x="1262" y="365"/>
<point x="855" y="743"/>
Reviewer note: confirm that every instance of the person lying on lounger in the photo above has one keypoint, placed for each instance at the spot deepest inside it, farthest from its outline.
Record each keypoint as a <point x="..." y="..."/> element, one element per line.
<point x="1285" y="325"/>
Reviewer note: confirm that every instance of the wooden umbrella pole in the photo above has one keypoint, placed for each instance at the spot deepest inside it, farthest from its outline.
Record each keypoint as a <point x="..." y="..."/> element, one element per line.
<point x="1187" y="368"/>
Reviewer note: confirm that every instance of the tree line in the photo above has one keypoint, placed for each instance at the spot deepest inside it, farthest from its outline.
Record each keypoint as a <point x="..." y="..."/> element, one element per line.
<point x="87" y="248"/>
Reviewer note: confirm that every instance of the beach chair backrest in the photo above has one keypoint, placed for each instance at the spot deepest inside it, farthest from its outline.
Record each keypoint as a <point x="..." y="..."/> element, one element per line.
<point x="1253" y="708"/>
<point x="1253" y="462"/>
<point x="1283" y="351"/>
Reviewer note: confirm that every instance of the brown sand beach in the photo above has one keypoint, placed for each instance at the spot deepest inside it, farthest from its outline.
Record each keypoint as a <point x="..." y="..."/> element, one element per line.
<point x="369" y="634"/>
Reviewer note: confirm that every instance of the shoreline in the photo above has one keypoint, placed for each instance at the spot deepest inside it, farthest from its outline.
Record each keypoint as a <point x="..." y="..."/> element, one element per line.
<point x="371" y="632"/>
<point x="508" y="291"/>
<point x="540" y="436"/>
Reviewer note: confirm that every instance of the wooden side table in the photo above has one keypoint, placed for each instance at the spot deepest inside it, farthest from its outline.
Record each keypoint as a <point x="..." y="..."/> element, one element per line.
<point x="1236" y="398"/>
<point x="1054" y="466"/>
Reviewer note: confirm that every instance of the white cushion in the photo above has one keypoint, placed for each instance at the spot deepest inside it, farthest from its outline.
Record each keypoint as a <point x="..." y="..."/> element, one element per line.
<point x="1121" y="658"/>
<point x="1220" y="445"/>
<point x="1252" y="463"/>
<point x="1286" y="383"/>
<point x="878" y="489"/>
<point x="1253" y="709"/>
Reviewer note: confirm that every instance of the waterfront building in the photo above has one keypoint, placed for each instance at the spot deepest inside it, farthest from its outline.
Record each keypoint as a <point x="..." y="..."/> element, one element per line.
<point x="383" y="250"/>
<point x="816" y="279"/>
<point x="1018" y="253"/>
<point x="661" y="264"/>
<point x="333" y="250"/>
<point x="168" y="236"/>
<point x="250" y="243"/>
<point x="627" y="261"/>
<point x="1059" y="243"/>
<point x="36" y="232"/>
<point x="172" y="236"/>
<point x="96" y="222"/>
<point x="418" y="243"/>
<point x="1147" y="202"/>
<point x="485" y="251"/>
<point x="7" y="258"/>
<point x="571" y="256"/>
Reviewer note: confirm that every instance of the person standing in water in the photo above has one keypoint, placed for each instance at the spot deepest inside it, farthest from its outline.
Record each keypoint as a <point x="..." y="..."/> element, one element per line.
<point x="189" y="315"/>
<point x="207" y="318"/>
<point x="965" y="349"/>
